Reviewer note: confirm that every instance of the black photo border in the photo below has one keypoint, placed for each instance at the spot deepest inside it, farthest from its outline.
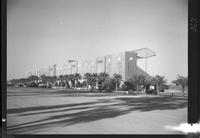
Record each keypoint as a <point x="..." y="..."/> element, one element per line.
<point x="193" y="61"/>
<point x="193" y="76"/>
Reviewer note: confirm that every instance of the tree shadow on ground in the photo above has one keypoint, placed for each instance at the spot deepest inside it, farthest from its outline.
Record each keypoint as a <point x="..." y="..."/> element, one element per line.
<point x="153" y="103"/>
<point x="38" y="92"/>
<point x="61" y="108"/>
<point x="35" y="92"/>
<point x="113" y="108"/>
<point x="67" y="119"/>
<point x="53" y="107"/>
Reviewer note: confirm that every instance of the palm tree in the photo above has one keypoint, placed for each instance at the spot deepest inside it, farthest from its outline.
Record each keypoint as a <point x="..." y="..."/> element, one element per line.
<point x="117" y="78"/>
<point x="44" y="79"/>
<point x="17" y="81"/>
<point x="13" y="81"/>
<point x="49" y="80"/>
<point x="71" y="78"/>
<point x="181" y="81"/>
<point x="110" y="84"/>
<point x="77" y="77"/>
<point x="159" y="81"/>
<point x="102" y="77"/>
<point x="33" y="80"/>
<point x="54" y="80"/>
<point x="23" y="81"/>
<point x="87" y="77"/>
<point x="129" y="85"/>
<point x="91" y="79"/>
<point x="139" y="80"/>
<point x="66" y="79"/>
<point x="61" y="79"/>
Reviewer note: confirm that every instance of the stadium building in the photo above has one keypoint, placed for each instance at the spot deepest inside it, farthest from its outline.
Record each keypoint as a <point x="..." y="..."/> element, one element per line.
<point x="124" y="63"/>
<point x="48" y="71"/>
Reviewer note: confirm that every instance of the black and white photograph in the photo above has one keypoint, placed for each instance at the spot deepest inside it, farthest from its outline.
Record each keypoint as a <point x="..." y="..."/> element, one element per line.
<point x="97" y="67"/>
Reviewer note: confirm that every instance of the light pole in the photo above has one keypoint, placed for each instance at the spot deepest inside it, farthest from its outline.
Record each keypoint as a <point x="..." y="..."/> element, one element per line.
<point x="146" y="60"/>
<point x="76" y="66"/>
<point x="71" y="61"/>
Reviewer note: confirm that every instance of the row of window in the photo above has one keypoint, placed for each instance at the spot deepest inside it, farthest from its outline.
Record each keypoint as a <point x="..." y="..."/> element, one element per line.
<point x="100" y="61"/>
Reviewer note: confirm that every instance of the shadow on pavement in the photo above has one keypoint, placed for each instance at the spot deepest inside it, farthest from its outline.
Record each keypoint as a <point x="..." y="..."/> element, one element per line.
<point x="111" y="108"/>
<point x="38" y="92"/>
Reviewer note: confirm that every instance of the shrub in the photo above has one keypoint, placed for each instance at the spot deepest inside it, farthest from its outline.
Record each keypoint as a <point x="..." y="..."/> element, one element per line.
<point x="154" y="92"/>
<point x="109" y="84"/>
<point x="128" y="85"/>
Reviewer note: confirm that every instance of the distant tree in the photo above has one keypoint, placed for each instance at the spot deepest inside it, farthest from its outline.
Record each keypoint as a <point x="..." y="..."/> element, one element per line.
<point x="91" y="79"/>
<point x="66" y="79"/>
<point x="181" y="81"/>
<point x="117" y="78"/>
<point x="44" y="80"/>
<point x="33" y="78"/>
<point x="129" y="85"/>
<point x="17" y="81"/>
<point x="54" y="80"/>
<point x="13" y="81"/>
<point x="109" y="84"/>
<point x="49" y="80"/>
<point x="72" y="79"/>
<point x="159" y="82"/>
<point x="77" y="77"/>
<point x="139" y="80"/>
<point x="87" y="77"/>
<point x="61" y="79"/>
<point x="23" y="80"/>
<point x="101" y="78"/>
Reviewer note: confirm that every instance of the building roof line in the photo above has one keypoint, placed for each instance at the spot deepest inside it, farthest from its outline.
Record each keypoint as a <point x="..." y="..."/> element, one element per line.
<point x="144" y="53"/>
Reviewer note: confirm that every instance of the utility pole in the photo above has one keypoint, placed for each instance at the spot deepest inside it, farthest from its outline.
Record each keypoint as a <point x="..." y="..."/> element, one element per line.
<point x="146" y="61"/>
<point x="76" y="66"/>
<point x="71" y="61"/>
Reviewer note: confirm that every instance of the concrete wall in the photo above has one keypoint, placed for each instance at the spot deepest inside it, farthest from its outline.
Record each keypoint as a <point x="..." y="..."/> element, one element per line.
<point x="87" y="66"/>
<point x="100" y="64"/>
<point x="115" y="64"/>
<point x="142" y="72"/>
<point x="108" y="62"/>
<point x="130" y="64"/>
<point x="124" y="63"/>
<point x="52" y="70"/>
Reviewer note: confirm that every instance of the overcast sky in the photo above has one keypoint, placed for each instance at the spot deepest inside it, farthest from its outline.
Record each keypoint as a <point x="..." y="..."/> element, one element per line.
<point x="44" y="32"/>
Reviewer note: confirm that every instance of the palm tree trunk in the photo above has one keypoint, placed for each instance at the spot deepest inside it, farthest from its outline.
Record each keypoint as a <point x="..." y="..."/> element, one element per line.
<point x="183" y="89"/>
<point x="116" y="87"/>
<point x="66" y="84"/>
<point x="87" y="86"/>
<point x="75" y="85"/>
<point x="137" y="89"/>
<point x="158" y="91"/>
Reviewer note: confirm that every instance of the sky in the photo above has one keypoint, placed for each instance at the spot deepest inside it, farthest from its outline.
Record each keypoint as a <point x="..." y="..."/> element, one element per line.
<point x="46" y="32"/>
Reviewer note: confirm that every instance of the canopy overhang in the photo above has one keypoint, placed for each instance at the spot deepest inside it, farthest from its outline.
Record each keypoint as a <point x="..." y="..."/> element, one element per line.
<point x="144" y="53"/>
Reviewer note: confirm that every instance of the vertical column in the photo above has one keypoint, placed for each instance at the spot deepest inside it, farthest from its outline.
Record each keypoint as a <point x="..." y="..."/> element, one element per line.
<point x="130" y="64"/>
<point x="104" y="64"/>
<point x="54" y="70"/>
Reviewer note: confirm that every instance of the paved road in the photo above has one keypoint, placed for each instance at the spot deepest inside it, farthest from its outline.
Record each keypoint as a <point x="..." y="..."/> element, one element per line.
<point x="48" y="111"/>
